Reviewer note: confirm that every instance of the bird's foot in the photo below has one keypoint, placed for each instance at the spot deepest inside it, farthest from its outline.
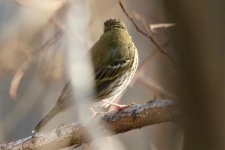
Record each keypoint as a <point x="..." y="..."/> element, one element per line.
<point x="117" y="106"/>
<point x="121" y="107"/>
<point x="95" y="113"/>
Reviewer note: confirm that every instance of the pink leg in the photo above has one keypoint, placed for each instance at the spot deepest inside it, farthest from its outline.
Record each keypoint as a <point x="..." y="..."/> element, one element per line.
<point x="118" y="106"/>
<point x="94" y="112"/>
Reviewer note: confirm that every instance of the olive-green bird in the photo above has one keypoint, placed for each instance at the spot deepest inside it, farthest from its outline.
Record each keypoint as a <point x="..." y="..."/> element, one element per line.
<point x="115" y="60"/>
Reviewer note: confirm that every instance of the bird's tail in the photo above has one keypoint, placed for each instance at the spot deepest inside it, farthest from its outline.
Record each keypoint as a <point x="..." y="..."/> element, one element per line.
<point x="53" y="112"/>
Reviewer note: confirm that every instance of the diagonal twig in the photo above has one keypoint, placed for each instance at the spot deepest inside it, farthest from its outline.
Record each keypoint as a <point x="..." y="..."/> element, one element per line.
<point x="145" y="34"/>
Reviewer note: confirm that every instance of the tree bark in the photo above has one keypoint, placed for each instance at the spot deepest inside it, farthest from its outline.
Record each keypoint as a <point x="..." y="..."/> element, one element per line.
<point x="133" y="117"/>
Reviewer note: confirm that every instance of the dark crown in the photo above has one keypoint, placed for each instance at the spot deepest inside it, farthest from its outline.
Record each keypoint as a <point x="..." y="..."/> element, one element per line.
<point x="113" y="23"/>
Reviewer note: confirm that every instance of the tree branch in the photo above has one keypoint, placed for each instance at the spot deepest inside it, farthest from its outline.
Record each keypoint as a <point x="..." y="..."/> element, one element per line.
<point x="145" y="34"/>
<point x="133" y="117"/>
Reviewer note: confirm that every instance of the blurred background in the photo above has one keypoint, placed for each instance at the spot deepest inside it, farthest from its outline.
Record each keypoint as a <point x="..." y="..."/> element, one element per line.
<point x="34" y="63"/>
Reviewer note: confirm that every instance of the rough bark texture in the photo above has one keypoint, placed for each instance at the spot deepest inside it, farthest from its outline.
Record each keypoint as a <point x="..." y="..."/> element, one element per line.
<point x="133" y="117"/>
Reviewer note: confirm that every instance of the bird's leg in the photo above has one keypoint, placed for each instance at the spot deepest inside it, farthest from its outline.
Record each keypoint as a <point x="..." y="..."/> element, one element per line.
<point x="118" y="106"/>
<point x="94" y="112"/>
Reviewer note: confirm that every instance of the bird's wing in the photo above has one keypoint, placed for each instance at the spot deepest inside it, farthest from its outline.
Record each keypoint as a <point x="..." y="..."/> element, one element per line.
<point x="113" y="70"/>
<point x="106" y="75"/>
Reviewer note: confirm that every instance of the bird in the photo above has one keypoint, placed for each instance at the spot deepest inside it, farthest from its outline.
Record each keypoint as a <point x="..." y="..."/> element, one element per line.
<point x="115" y="60"/>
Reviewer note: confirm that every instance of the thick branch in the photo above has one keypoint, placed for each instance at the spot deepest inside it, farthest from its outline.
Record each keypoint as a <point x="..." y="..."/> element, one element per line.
<point x="133" y="117"/>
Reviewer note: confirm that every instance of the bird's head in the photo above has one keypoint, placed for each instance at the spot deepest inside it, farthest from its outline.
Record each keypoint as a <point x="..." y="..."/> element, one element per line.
<point x="112" y="24"/>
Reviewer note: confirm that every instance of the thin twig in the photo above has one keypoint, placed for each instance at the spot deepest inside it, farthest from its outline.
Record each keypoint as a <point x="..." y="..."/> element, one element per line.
<point x="161" y="26"/>
<point x="17" y="78"/>
<point x="25" y="66"/>
<point x="143" y="64"/>
<point x="145" y="34"/>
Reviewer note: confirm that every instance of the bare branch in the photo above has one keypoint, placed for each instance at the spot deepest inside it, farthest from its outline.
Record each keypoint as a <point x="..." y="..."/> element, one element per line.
<point x="134" y="117"/>
<point x="17" y="78"/>
<point x="145" y="34"/>
<point x="25" y="66"/>
<point x="161" y="26"/>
